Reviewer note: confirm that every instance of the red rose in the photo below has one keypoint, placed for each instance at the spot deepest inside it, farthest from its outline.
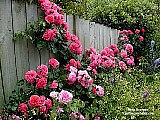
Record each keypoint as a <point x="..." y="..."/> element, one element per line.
<point x="34" y="101"/>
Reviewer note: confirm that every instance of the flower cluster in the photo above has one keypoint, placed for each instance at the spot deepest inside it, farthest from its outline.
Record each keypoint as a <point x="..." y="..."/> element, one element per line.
<point x="54" y="15"/>
<point x="109" y="57"/>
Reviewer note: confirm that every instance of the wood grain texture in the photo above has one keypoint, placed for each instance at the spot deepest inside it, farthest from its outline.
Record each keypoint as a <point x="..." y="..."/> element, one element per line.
<point x="8" y="68"/>
<point x="34" y="57"/>
<point x="70" y="23"/>
<point x="91" y="34"/>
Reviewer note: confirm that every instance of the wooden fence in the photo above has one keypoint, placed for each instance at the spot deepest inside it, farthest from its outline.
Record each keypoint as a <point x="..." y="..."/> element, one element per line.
<point x="17" y="58"/>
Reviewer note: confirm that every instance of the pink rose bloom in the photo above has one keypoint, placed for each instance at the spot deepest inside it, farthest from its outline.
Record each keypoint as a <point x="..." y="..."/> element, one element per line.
<point x="71" y="78"/>
<point x="141" y="38"/>
<point x="54" y="94"/>
<point x="41" y="1"/>
<point x="23" y="108"/>
<point x="41" y="82"/>
<point x="99" y="91"/>
<point x="74" y="38"/>
<point x="129" y="32"/>
<point x="74" y="115"/>
<point x="107" y="63"/>
<point x="91" y="51"/>
<point x="49" y="18"/>
<point x="130" y="61"/>
<point x="46" y="5"/>
<point x="76" y="47"/>
<point x="65" y="25"/>
<point x="54" y="63"/>
<point x="34" y="101"/>
<point x="73" y="63"/>
<point x="121" y="32"/>
<point x="68" y="35"/>
<point x="42" y="70"/>
<point x="114" y="47"/>
<point x="94" y="72"/>
<point x="81" y="117"/>
<point x="73" y="69"/>
<point x="122" y="39"/>
<point x="122" y="65"/>
<point x="30" y="76"/>
<point x="125" y="37"/>
<point x="48" y="103"/>
<point x="54" y="84"/>
<point x="49" y="34"/>
<point x="15" y="117"/>
<point x="43" y="109"/>
<point x="97" y="118"/>
<point x="123" y="54"/>
<point x="137" y="31"/>
<point x="109" y="52"/>
<point x="143" y="30"/>
<point x="59" y="109"/>
<point x="84" y="79"/>
<point x="65" y="97"/>
<point x="125" y="31"/>
<point x="42" y="100"/>
<point x="128" y="48"/>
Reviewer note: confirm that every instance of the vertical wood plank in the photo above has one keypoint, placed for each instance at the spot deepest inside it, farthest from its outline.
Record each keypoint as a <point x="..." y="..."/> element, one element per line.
<point x="2" y="100"/>
<point x="91" y="33"/>
<point x="70" y="23"/>
<point x="101" y="36"/>
<point x="97" y="33"/>
<point x="21" y="49"/>
<point x="8" y="68"/>
<point x="86" y="35"/>
<point x="34" y="58"/>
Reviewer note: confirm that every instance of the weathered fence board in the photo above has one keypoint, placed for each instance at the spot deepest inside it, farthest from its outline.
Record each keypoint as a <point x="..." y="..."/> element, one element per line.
<point x="17" y="58"/>
<point x="34" y="57"/>
<point x="7" y="57"/>
<point x="21" y="49"/>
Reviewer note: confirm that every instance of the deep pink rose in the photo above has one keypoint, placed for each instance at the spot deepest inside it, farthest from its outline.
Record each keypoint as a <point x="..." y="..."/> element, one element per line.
<point x="54" y="63"/>
<point x="41" y="82"/>
<point x="54" y="84"/>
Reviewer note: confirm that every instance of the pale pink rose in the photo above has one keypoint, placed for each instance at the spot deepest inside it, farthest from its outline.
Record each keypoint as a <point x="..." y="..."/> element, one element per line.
<point x="125" y="37"/>
<point x="74" y="115"/>
<point x="73" y="69"/>
<point x="128" y="48"/>
<point x="54" y="94"/>
<point x="130" y="61"/>
<point x="81" y="117"/>
<point x="84" y="79"/>
<point x="42" y="70"/>
<point x="30" y="76"/>
<point x="141" y="38"/>
<point x="15" y="117"/>
<point x="54" y="84"/>
<point x="123" y="54"/>
<point x="54" y="63"/>
<point x="99" y="91"/>
<point x="121" y="38"/>
<point x="71" y="78"/>
<point x="41" y="82"/>
<point x="59" y="109"/>
<point x="65" y="97"/>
